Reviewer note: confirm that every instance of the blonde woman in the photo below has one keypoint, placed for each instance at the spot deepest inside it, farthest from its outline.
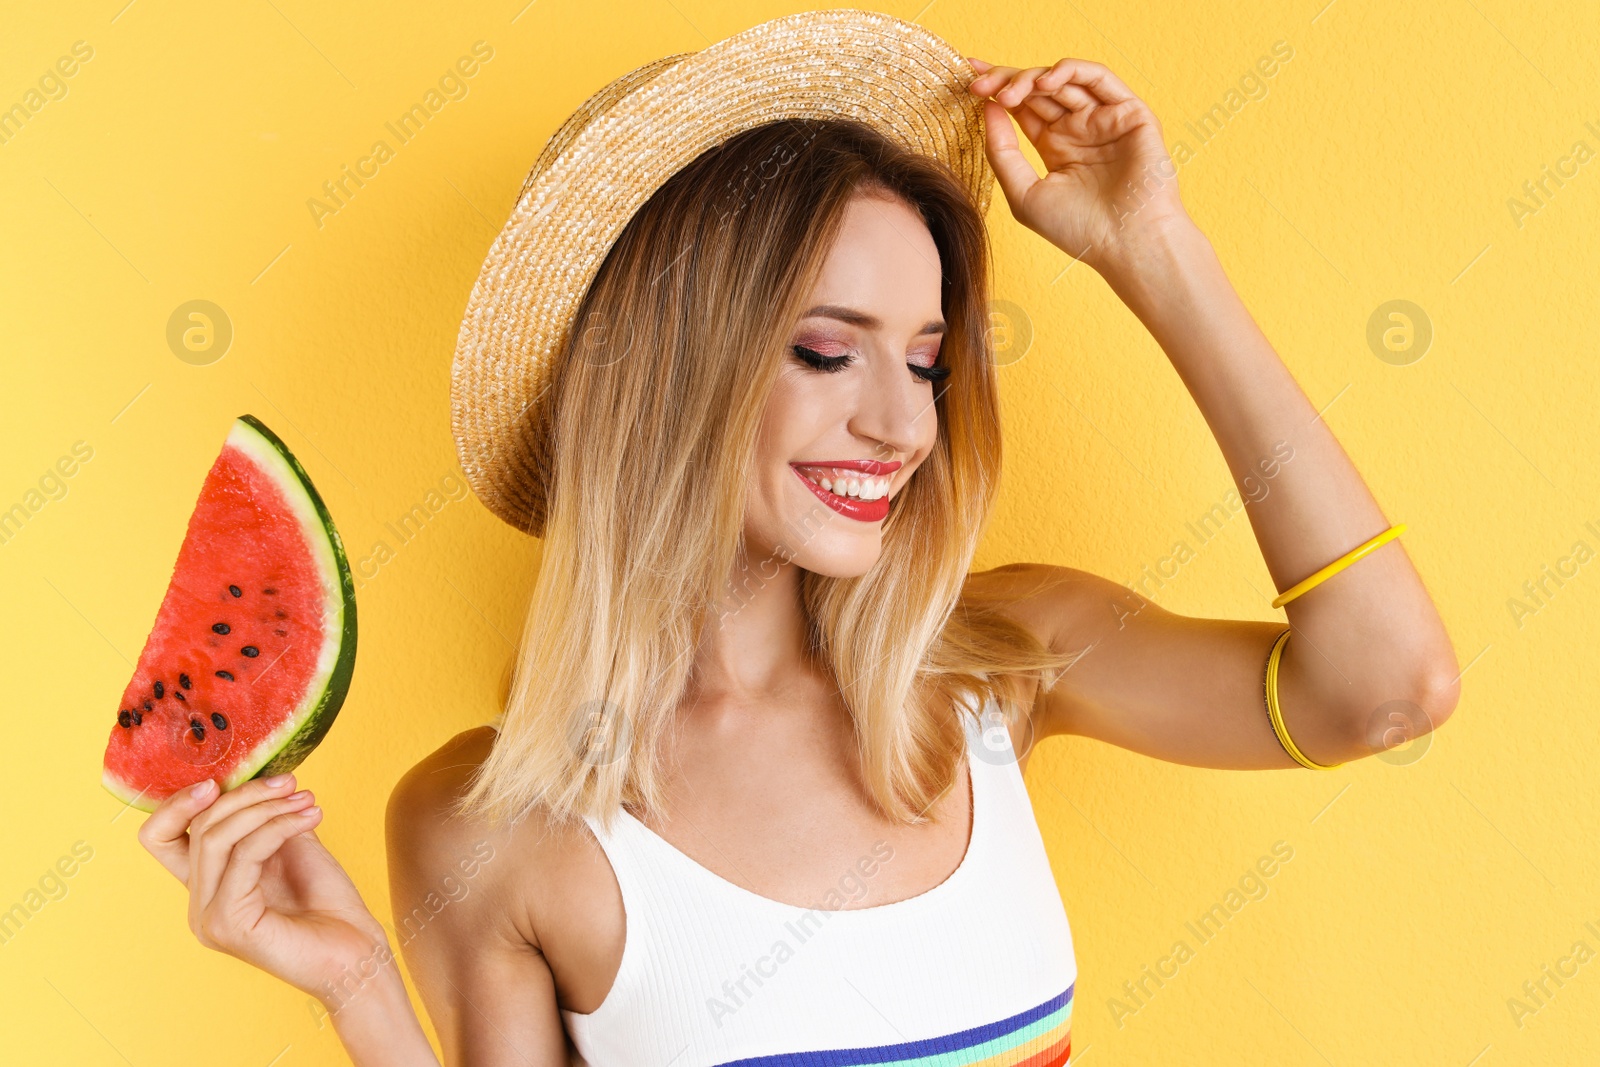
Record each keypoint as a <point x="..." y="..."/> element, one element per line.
<point x="755" y="796"/>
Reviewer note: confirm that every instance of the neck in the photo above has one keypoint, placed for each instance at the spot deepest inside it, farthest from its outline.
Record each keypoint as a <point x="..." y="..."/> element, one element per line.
<point x="754" y="643"/>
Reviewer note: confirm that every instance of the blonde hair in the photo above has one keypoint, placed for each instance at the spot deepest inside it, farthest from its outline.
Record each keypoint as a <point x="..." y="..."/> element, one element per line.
<point x="660" y="392"/>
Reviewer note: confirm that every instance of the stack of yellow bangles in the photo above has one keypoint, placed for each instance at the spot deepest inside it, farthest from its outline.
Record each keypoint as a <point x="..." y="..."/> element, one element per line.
<point x="1273" y="711"/>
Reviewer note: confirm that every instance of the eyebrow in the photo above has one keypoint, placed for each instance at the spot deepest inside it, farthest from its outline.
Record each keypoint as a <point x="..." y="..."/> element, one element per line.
<point x="867" y="322"/>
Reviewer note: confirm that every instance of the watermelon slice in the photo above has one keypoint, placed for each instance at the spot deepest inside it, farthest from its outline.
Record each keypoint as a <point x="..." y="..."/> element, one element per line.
<point x="255" y="643"/>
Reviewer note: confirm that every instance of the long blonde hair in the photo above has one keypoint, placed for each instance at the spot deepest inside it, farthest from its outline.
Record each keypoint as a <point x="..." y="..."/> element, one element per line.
<point x="660" y="393"/>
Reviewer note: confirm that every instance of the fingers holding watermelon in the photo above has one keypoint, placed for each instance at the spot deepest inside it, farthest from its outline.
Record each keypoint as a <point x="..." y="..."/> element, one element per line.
<point x="262" y="888"/>
<point x="165" y="834"/>
<point x="168" y="832"/>
<point x="217" y="837"/>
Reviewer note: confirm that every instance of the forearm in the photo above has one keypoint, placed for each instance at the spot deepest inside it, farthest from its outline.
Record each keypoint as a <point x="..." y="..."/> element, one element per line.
<point x="1370" y="633"/>
<point x="377" y="1024"/>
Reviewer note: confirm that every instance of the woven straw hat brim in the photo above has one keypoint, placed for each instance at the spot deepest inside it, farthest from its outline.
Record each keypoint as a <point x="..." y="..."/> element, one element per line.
<point x="618" y="148"/>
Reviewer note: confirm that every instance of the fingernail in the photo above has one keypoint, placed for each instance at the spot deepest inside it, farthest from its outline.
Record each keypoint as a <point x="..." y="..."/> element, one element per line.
<point x="277" y="779"/>
<point x="301" y="795"/>
<point x="311" y="812"/>
<point x="202" y="788"/>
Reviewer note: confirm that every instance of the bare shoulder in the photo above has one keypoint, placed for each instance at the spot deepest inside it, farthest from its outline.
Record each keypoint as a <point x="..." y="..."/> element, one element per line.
<point x="419" y="816"/>
<point x="428" y="842"/>
<point x="517" y="908"/>
<point x="429" y="787"/>
<point x="436" y="856"/>
<point x="466" y="896"/>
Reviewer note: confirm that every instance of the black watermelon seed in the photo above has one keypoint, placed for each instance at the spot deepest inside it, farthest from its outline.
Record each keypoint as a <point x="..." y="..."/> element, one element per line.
<point x="149" y="706"/>
<point x="124" y="718"/>
<point x="218" y="721"/>
<point x="137" y="718"/>
<point x="197" y="728"/>
<point x="251" y="650"/>
<point x="235" y="590"/>
<point x="183" y="680"/>
<point x="280" y="614"/>
<point x="219" y="627"/>
<point x="179" y="694"/>
<point x="269" y="592"/>
<point x="161" y="690"/>
<point x="225" y="676"/>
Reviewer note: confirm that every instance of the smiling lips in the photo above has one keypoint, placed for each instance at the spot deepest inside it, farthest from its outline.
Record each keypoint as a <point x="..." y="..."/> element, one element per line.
<point x="855" y="488"/>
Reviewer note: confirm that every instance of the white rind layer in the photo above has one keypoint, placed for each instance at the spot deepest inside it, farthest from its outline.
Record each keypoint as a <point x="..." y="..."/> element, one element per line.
<point x="265" y="455"/>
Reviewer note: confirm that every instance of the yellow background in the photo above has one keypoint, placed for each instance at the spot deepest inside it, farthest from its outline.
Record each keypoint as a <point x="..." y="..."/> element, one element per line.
<point x="1377" y="165"/>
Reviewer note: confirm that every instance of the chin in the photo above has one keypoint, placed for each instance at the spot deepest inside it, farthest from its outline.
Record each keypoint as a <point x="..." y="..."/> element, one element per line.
<point x="814" y="539"/>
<point x="848" y="556"/>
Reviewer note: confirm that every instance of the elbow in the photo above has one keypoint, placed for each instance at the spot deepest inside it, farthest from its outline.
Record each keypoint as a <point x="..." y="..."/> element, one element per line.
<point x="1397" y="722"/>
<point x="1438" y="689"/>
<point x="1440" y="695"/>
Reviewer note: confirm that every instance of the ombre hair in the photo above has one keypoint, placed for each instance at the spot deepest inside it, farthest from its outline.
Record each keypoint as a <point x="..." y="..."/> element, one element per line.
<point x="660" y="392"/>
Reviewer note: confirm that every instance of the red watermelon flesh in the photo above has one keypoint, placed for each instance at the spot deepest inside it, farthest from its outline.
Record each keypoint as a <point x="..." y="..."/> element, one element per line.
<point x="253" y="648"/>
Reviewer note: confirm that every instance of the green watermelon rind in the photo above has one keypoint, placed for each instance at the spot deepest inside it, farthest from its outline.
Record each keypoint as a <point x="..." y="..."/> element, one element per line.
<point x="288" y="746"/>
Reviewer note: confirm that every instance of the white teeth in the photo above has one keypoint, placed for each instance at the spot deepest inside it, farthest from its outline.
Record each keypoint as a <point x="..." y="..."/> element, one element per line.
<point x="844" y="484"/>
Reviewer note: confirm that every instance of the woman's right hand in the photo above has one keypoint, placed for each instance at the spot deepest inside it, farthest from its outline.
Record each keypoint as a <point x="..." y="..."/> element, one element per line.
<point x="263" y="888"/>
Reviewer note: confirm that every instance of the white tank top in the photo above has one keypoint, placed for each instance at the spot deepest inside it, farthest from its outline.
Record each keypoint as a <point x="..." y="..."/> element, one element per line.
<point x="979" y="970"/>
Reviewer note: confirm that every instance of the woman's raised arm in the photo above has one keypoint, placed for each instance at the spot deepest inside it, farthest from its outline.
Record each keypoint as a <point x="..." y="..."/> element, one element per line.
<point x="1367" y="639"/>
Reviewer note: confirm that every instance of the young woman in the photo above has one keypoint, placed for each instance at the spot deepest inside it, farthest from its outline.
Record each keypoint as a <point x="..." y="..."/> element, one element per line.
<point x="739" y="808"/>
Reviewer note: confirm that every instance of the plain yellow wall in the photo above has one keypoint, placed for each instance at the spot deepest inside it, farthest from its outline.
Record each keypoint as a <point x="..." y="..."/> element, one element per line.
<point x="1379" y="162"/>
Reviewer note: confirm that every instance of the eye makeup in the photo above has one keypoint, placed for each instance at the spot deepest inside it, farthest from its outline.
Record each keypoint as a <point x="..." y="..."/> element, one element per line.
<point x="832" y="364"/>
<point x="827" y="364"/>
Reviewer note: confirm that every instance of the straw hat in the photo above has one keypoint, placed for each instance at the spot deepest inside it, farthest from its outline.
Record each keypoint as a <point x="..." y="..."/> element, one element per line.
<point x="622" y="145"/>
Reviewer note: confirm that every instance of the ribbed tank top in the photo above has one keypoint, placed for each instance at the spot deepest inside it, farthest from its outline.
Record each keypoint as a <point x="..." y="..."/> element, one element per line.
<point x="978" y="970"/>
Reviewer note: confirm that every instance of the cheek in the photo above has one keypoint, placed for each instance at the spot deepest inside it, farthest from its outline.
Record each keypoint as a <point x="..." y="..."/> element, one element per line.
<point x="800" y="411"/>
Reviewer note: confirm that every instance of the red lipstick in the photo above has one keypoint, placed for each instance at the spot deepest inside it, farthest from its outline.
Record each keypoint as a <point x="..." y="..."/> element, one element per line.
<point x="849" y="506"/>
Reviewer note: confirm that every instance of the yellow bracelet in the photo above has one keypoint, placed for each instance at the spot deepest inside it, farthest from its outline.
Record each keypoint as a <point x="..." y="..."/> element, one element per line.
<point x="1338" y="565"/>
<point x="1276" y="714"/>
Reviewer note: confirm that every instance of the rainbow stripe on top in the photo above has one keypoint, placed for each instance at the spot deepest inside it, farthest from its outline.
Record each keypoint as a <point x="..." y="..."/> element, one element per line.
<point x="1038" y="1037"/>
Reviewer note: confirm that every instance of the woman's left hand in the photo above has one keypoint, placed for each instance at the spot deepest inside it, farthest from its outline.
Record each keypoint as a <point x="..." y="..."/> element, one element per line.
<point x="1110" y="182"/>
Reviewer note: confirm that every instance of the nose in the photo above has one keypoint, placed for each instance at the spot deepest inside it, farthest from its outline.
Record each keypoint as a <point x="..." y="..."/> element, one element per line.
<point x="895" y="413"/>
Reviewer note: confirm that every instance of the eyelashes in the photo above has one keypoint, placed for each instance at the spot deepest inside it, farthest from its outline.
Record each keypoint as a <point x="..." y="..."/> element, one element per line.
<point x="834" y="364"/>
<point x="818" y="361"/>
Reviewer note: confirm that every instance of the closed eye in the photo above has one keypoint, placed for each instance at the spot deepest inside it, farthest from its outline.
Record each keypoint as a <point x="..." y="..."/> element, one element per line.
<point x="827" y="364"/>
<point x="832" y="364"/>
